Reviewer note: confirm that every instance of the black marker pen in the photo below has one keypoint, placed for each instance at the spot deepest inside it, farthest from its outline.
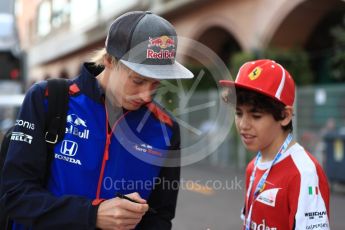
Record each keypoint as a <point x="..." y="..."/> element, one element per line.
<point x="119" y="195"/>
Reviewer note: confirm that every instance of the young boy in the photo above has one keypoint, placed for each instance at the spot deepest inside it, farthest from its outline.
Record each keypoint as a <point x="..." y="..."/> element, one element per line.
<point x="286" y="187"/>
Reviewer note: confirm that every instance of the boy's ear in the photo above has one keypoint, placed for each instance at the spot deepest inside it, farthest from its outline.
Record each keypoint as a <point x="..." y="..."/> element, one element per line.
<point x="288" y="114"/>
<point x="229" y="96"/>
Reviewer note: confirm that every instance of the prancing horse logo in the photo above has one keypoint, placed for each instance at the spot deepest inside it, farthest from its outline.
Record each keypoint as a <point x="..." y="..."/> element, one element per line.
<point x="255" y="73"/>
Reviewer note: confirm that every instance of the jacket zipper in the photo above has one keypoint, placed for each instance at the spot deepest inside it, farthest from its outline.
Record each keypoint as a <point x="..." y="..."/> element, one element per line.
<point x="98" y="200"/>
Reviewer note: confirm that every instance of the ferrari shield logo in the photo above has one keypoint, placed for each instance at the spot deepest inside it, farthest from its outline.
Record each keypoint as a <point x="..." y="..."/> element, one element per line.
<point x="255" y="73"/>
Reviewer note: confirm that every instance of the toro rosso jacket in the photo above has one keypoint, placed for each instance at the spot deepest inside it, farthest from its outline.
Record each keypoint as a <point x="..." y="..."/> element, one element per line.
<point x="93" y="162"/>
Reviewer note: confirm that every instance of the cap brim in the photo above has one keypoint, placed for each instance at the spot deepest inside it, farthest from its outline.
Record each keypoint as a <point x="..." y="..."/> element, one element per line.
<point x="228" y="83"/>
<point x="174" y="71"/>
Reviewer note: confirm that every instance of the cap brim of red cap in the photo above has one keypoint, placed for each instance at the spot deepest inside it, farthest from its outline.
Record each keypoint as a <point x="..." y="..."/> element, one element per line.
<point x="228" y="83"/>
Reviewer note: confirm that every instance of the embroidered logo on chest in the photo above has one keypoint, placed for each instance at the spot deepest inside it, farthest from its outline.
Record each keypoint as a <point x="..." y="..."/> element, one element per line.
<point x="145" y="148"/>
<point x="268" y="197"/>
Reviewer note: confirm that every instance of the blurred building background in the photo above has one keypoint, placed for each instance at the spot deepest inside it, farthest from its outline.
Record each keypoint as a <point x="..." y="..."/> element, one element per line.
<point x="306" y="36"/>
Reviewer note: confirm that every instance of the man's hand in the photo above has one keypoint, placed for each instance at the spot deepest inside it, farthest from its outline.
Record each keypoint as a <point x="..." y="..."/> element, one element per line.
<point x="121" y="214"/>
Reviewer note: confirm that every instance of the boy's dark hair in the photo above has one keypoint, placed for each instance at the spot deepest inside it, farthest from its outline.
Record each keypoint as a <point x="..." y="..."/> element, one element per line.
<point x="262" y="103"/>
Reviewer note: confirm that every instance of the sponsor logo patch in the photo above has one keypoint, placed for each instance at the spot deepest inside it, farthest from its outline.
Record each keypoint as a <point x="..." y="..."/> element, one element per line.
<point x="255" y="73"/>
<point x="25" y="124"/>
<point x="75" y="120"/>
<point x="68" y="159"/>
<point x="19" y="136"/>
<point x="314" y="215"/>
<point x="163" y="54"/>
<point x="262" y="226"/>
<point x="68" y="151"/>
<point x="161" y="43"/>
<point x="77" y="126"/>
<point x="268" y="197"/>
<point x="318" y="226"/>
<point x="69" y="148"/>
<point x="144" y="148"/>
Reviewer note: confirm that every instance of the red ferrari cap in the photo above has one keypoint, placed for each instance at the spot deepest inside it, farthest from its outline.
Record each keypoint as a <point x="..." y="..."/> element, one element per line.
<point x="266" y="77"/>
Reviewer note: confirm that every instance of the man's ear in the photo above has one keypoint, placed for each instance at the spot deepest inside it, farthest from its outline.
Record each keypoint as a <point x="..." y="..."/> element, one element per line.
<point x="288" y="114"/>
<point x="107" y="60"/>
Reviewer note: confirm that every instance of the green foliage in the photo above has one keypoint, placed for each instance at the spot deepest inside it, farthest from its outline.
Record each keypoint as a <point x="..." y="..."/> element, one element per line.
<point x="204" y="76"/>
<point x="203" y="80"/>
<point x="295" y="61"/>
<point x="337" y="61"/>
<point x="238" y="59"/>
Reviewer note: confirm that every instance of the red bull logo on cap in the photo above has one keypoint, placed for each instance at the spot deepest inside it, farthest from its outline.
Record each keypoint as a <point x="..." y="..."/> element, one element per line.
<point x="162" y="42"/>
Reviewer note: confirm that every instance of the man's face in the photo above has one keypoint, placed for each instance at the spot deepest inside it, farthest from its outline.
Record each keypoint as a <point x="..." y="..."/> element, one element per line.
<point x="128" y="89"/>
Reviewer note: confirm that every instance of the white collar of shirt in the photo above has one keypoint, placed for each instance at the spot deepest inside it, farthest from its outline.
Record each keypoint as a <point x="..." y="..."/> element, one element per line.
<point x="267" y="164"/>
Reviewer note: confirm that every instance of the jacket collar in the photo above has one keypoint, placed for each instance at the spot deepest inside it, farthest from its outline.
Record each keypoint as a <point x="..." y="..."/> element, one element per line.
<point x="88" y="83"/>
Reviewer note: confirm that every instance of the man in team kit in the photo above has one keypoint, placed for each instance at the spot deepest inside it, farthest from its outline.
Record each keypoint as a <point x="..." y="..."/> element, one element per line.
<point x="108" y="101"/>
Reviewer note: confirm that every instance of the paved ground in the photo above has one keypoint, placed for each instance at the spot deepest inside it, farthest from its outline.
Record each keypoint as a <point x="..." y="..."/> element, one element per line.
<point x="200" y="208"/>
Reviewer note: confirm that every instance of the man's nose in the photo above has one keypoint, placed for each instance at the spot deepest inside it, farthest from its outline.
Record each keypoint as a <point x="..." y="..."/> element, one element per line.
<point x="146" y="96"/>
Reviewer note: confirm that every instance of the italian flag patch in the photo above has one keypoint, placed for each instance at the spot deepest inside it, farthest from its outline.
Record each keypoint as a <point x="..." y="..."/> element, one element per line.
<point x="313" y="190"/>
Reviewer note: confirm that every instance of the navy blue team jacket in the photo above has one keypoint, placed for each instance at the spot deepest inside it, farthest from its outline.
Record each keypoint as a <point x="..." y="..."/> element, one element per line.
<point x="87" y="167"/>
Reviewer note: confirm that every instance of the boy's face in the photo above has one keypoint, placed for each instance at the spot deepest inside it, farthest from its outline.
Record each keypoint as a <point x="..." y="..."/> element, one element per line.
<point x="129" y="89"/>
<point x="259" y="131"/>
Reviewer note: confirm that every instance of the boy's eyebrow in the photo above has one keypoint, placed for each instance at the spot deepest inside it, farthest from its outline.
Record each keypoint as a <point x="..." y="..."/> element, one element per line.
<point x="256" y="110"/>
<point x="252" y="110"/>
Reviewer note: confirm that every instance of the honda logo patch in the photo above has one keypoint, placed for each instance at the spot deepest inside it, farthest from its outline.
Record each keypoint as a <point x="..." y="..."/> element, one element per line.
<point x="69" y="148"/>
